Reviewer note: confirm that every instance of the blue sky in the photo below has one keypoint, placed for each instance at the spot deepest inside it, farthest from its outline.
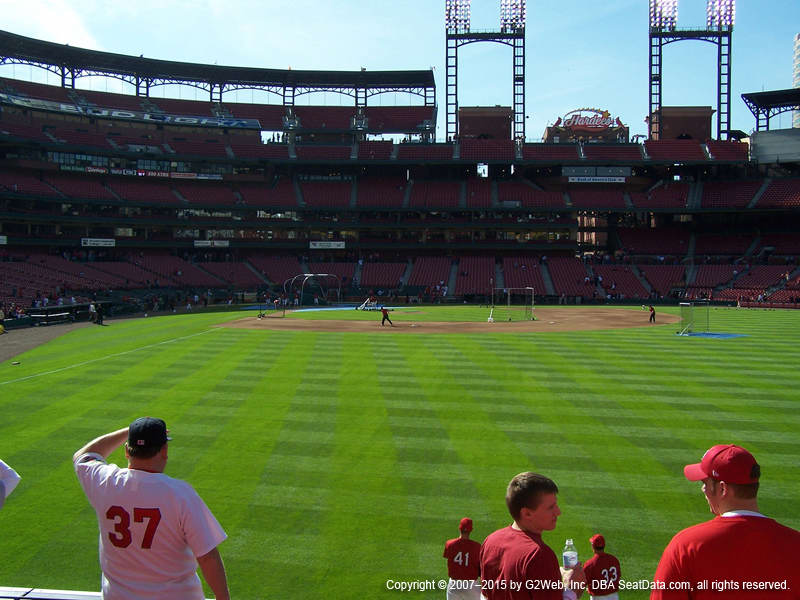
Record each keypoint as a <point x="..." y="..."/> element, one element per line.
<point x="580" y="53"/>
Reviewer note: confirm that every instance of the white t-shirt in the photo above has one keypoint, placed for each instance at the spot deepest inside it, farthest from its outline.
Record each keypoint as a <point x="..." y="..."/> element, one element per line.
<point x="151" y="529"/>
<point x="8" y="481"/>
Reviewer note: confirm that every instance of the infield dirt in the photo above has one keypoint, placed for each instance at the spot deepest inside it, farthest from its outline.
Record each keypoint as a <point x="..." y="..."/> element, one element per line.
<point x="547" y="319"/>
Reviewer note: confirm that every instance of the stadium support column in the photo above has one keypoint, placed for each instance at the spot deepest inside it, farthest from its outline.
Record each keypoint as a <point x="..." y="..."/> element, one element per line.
<point x="654" y="112"/>
<point x="452" y="88"/>
<point x="724" y="84"/>
<point x="519" y="89"/>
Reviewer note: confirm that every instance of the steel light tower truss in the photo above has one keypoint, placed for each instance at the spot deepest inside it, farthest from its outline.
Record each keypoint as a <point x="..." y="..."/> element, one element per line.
<point x="512" y="33"/>
<point x="720" y="17"/>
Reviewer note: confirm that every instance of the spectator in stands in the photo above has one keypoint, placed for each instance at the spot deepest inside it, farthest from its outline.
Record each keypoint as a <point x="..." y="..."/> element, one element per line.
<point x="8" y="481"/>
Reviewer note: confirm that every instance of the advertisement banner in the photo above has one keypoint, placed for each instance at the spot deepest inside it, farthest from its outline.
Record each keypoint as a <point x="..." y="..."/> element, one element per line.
<point x="98" y="242"/>
<point x="3" y="240"/>
<point x="597" y="179"/>
<point x="129" y="115"/>
<point x="326" y="245"/>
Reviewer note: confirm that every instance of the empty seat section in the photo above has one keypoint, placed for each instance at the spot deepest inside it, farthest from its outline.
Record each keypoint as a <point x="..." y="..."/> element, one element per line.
<point x="375" y="150"/>
<point x="729" y="194"/>
<point x="181" y="272"/>
<point x="382" y="274"/>
<point x="343" y="270"/>
<point x="523" y="271"/>
<point x="80" y="187"/>
<point x="325" y="117"/>
<point x="710" y="276"/>
<point x="728" y="150"/>
<point x="597" y="198"/>
<point x="626" y="152"/>
<point x="206" y="193"/>
<point x="281" y="195"/>
<point x="527" y="196"/>
<point x="399" y="119"/>
<point x="675" y="150"/>
<point x="23" y="182"/>
<point x="435" y="194"/>
<point x="197" y="146"/>
<point x="475" y="275"/>
<point x="425" y="152"/>
<point x="270" y="116"/>
<point x="671" y="195"/>
<point x="664" y="241"/>
<point x="781" y="193"/>
<point x="142" y="190"/>
<point x="762" y="276"/>
<point x="234" y="273"/>
<point x="479" y="193"/>
<point x="430" y="270"/>
<point x="258" y="150"/>
<point x="488" y="150"/>
<point x="570" y="277"/>
<point x="662" y="278"/>
<point x="722" y="244"/>
<point x="381" y="193"/>
<point x="326" y="194"/>
<point x="550" y="152"/>
<point x="620" y="281"/>
<point x="781" y="243"/>
<point x="277" y="269"/>
<point x="310" y="152"/>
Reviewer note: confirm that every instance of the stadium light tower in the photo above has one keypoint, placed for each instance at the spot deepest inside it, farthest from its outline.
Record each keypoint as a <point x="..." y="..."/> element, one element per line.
<point x="720" y="15"/>
<point x="457" y="15"/>
<point x="512" y="33"/>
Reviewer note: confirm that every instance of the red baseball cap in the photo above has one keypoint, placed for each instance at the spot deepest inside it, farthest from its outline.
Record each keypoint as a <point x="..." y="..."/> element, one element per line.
<point x="597" y="541"/>
<point x="465" y="525"/>
<point x="725" y="462"/>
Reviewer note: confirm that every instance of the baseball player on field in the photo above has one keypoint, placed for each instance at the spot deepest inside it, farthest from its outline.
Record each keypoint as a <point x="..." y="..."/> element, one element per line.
<point x="463" y="564"/>
<point x="154" y="530"/>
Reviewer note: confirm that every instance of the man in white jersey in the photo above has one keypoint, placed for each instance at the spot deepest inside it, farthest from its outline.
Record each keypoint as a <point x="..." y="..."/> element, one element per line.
<point x="154" y="530"/>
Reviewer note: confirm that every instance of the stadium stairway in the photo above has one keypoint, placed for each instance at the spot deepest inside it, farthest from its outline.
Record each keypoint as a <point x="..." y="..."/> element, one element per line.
<point x="354" y="192"/>
<point x="462" y="197"/>
<point x="499" y="277"/>
<point x="753" y="246"/>
<point x="453" y="279"/>
<point x="635" y="270"/>
<point x="494" y="195"/>
<point x="690" y="250"/>
<point x="548" y="281"/>
<point x="407" y="194"/>
<point x="760" y="192"/>
<point x="298" y="192"/>
<point x="695" y="199"/>
<point x="407" y="272"/>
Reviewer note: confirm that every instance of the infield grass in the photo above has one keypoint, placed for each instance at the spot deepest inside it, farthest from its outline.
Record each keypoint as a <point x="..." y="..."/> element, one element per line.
<point x="338" y="461"/>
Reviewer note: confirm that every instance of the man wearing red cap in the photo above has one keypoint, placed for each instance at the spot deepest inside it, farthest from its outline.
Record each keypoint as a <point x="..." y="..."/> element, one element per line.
<point x="738" y="554"/>
<point x="602" y="571"/>
<point x="463" y="564"/>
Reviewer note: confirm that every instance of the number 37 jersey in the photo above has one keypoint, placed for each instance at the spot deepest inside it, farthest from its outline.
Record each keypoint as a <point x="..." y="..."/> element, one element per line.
<point x="151" y="529"/>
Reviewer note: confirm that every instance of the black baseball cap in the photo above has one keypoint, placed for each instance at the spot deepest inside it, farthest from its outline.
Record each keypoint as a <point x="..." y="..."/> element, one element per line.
<point x="147" y="432"/>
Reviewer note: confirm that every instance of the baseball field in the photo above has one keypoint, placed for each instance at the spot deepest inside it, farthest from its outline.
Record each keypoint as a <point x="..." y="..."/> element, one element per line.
<point x="340" y="458"/>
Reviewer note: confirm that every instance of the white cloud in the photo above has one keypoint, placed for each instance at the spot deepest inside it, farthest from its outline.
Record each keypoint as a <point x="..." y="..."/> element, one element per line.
<point x="59" y="21"/>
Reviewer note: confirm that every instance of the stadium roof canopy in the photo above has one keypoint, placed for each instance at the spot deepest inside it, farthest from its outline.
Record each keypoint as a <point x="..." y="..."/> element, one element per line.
<point x="765" y="105"/>
<point x="71" y="63"/>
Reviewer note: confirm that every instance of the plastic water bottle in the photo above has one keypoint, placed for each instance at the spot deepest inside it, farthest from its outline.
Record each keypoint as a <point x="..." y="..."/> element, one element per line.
<point x="570" y="555"/>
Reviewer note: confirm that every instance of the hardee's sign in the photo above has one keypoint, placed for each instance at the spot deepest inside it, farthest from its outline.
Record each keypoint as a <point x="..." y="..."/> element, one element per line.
<point x="592" y="122"/>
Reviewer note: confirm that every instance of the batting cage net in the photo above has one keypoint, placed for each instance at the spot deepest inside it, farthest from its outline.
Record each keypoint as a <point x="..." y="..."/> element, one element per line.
<point x="512" y="304"/>
<point x="309" y="289"/>
<point x="694" y="317"/>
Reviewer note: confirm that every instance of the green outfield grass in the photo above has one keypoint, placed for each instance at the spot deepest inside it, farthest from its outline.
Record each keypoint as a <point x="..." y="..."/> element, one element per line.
<point x="338" y="461"/>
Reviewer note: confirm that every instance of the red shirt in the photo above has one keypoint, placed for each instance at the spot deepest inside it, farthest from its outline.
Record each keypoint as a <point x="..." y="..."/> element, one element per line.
<point x="733" y="553"/>
<point x="463" y="558"/>
<point x="602" y="574"/>
<point x="516" y="565"/>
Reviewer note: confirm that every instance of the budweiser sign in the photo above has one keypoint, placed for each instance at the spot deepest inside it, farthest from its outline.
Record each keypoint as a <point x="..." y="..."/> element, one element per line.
<point x="588" y="119"/>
